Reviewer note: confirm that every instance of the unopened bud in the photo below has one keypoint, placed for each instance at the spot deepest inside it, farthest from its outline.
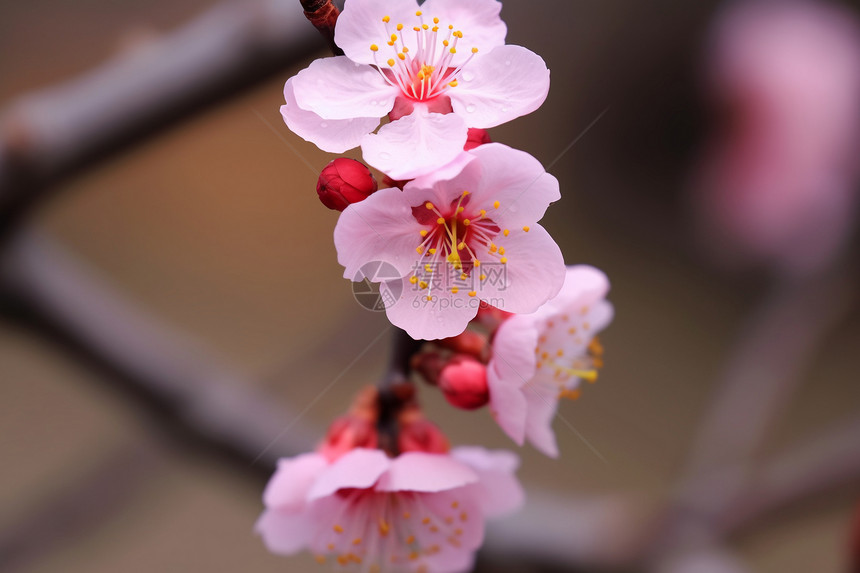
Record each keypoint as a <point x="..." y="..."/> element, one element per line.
<point x="347" y="433"/>
<point x="468" y="342"/>
<point x="343" y="182"/>
<point x="464" y="383"/>
<point x="429" y="365"/>
<point x="417" y="434"/>
<point x="475" y="137"/>
<point x="490" y="316"/>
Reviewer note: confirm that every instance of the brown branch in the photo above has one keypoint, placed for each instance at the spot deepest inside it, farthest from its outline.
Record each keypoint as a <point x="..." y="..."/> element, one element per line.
<point x="323" y="15"/>
<point x="47" y="136"/>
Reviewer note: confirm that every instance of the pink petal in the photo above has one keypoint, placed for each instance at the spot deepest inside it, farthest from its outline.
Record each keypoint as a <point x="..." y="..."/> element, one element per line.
<point x="415" y="144"/>
<point x="338" y="88"/>
<point x="360" y="468"/>
<point x="517" y="181"/>
<point x="534" y="271"/>
<point x="380" y="228"/>
<point x="282" y="532"/>
<point x="479" y="21"/>
<point x="542" y="404"/>
<point x="360" y="25"/>
<point x="583" y="286"/>
<point x="332" y="135"/>
<point x="417" y="471"/>
<point x="289" y="486"/>
<point x="502" y="85"/>
<point x="444" y="173"/>
<point x="444" y="316"/>
<point x="499" y="491"/>
<point x="513" y="364"/>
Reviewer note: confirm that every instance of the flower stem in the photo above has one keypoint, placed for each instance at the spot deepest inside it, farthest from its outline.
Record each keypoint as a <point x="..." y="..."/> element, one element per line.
<point x="323" y="15"/>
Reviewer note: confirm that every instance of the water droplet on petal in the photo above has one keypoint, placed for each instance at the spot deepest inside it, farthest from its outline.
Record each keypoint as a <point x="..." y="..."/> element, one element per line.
<point x="385" y="155"/>
<point x="470" y="108"/>
<point x="467" y="76"/>
<point x="323" y="124"/>
<point x="507" y="62"/>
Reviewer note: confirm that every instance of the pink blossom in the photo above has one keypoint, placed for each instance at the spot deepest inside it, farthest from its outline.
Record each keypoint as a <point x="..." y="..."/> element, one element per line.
<point x="780" y="184"/>
<point x="542" y="357"/>
<point x="418" y="512"/>
<point x="436" y="71"/>
<point x="460" y="241"/>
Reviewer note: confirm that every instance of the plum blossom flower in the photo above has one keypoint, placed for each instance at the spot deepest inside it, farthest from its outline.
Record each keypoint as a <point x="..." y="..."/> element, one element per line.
<point x="541" y="358"/>
<point x="417" y="512"/>
<point x="459" y="243"/>
<point x="435" y="70"/>
<point x="780" y="186"/>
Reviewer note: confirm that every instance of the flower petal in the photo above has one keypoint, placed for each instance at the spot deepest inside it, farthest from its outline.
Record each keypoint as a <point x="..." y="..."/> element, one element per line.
<point x="338" y="88"/>
<point x="499" y="491"/>
<point x="543" y="403"/>
<point x="444" y="316"/>
<point x="282" y="532"/>
<point x="415" y="144"/>
<point x="360" y="25"/>
<point x="533" y="274"/>
<point x="332" y="135"/>
<point x="502" y="85"/>
<point x="380" y="228"/>
<point x="584" y="285"/>
<point x="419" y="471"/>
<point x="360" y="468"/>
<point x="516" y="180"/>
<point x="289" y="486"/>
<point x="479" y="21"/>
<point x="513" y="364"/>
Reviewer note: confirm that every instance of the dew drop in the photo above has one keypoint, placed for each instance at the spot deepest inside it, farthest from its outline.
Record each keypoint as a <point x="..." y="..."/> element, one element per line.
<point x="507" y="62"/>
<point x="467" y="76"/>
<point x="470" y="108"/>
<point x="385" y="155"/>
<point x="323" y="124"/>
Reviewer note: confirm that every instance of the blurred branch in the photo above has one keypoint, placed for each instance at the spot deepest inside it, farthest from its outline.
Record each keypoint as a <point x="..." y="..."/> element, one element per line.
<point x="323" y="15"/>
<point x="48" y="135"/>
<point x="51" y="291"/>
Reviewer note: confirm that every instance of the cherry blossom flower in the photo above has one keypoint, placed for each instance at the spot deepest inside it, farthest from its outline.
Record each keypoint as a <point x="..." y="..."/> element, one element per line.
<point x="435" y="71"/>
<point x="458" y="243"/>
<point x="541" y="358"/>
<point x="780" y="186"/>
<point x="418" y="512"/>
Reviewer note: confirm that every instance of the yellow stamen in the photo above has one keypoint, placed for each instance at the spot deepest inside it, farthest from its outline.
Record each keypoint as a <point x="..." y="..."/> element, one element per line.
<point x="526" y="228"/>
<point x="374" y="48"/>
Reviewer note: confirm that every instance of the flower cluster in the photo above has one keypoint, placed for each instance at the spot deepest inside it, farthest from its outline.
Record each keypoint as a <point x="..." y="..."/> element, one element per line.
<point x="469" y="273"/>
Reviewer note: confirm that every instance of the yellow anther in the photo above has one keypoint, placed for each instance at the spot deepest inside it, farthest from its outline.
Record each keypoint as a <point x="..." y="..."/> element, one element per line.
<point x="428" y="267"/>
<point x="413" y="279"/>
<point x="423" y="232"/>
<point x="391" y="43"/>
<point x="544" y="355"/>
<point x="453" y="83"/>
<point x="374" y="48"/>
<point x="559" y="352"/>
<point x="465" y="193"/>
<point x="477" y="263"/>
<point x="483" y="212"/>
<point x="449" y="520"/>
<point x="458" y="531"/>
<point x="435" y="20"/>
<point x="450" y="26"/>
<point x="454" y="290"/>
<point x="422" y="285"/>
<point x="410" y="540"/>
<point x="393" y="37"/>
<point x="320" y="559"/>
<point x="467" y="222"/>
<point x="391" y="62"/>
<point x="386" y="19"/>
<point x="414" y="555"/>
<point x="419" y="13"/>
<point x="464" y="516"/>
<point x="331" y="546"/>
<point x="506" y="232"/>
<point x="425" y="26"/>
<point x="416" y="28"/>
<point x="337" y="528"/>
<point x="460" y="209"/>
<point x="399" y="27"/>
<point x="428" y="204"/>
<point x="343" y="559"/>
<point x="496" y="205"/>
<point x="503" y="260"/>
<point x="445" y="43"/>
<point x="406" y="515"/>
<point x="432" y="251"/>
<point x="458" y="34"/>
<point x="493" y="248"/>
<point x="474" y="50"/>
<point x="405" y="50"/>
<point x="419" y="250"/>
<point x="425" y="521"/>
<point x="356" y="541"/>
<point x="483" y="277"/>
<point x="463" y="276"/>
<point x="461" y="246"/>
<point x="571" y="330"/>
<point x="401" y="56"/>
<point x="501" y="250"/>
<point x="435" y="29"/>
<point x="440" y="220"/>
<point x="473" y="293"/>
<point x="455" y="505"/>
<point x="383" y="527"/>
<point x="453" y="50"/>
<point x="526" y="228"/>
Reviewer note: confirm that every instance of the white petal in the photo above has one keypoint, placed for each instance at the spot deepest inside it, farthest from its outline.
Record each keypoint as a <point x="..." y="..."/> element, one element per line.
<point x="332" y="135"/>
<point x="337" y="88"/>
<point x="444" y="316"/>
<point x="497" y="87"/>
<point x="479" y="21"/>
<point x="360" y="25"/>
<point x="416" y="144"/>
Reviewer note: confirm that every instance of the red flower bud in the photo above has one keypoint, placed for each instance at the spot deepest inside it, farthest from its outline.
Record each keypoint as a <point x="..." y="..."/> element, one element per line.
<point x="347" y="433"/>
<point x="491" y="317"/>
<point x="429" y="365"/>
<point x="464" y="383"/>
<point x="476" y="137"/>
<point x="469" y="342"/>
<point x="417" y="434"/>
<point x="343" y="182"/>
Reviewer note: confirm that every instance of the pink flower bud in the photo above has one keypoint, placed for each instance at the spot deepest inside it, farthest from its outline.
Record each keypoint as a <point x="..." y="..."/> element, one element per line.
<point x="343" y="182"/>
<point x="429" y="365"/>
<point x="475" y="137"/>
<point x="347" y="433"/>
<point x="464" y="383"/>
<point x="469" y="342"/>
<point x="417" y="434"/>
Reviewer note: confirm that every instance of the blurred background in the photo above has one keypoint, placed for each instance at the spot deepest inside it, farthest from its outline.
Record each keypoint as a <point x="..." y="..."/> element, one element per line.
<point x="172" y="303"/>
